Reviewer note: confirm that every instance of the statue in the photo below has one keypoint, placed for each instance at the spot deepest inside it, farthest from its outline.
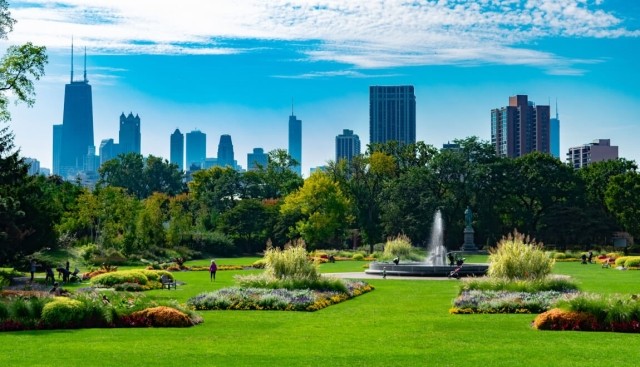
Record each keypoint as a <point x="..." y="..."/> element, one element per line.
<point x="468" y="217"/>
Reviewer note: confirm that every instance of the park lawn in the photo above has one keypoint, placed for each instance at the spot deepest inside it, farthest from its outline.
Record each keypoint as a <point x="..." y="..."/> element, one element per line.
<point x="401" y="323"/>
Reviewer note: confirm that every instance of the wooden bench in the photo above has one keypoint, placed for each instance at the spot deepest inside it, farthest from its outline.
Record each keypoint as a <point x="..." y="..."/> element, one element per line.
<point x="167" y="282"/>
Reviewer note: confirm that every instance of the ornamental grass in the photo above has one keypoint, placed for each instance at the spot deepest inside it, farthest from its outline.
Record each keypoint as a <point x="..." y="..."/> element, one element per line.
<point x="519" y="257"/>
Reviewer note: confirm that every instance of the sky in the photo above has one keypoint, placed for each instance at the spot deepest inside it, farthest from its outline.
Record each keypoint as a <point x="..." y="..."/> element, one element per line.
<point x="240" y="67"/>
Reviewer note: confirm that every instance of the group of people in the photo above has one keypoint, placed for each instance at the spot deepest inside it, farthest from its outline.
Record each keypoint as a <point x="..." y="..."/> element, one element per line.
<point x="587" y="259"/>
<point x="63" y="272"/>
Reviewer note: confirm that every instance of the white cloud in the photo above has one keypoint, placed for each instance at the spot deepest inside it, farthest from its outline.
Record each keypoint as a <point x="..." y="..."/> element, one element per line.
<point x="361" y="33"/>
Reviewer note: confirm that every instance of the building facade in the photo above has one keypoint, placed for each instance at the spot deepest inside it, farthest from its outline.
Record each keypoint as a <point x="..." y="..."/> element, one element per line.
<point x="196" y="149"/>
<point x="295" y="142"/>
<point x="57" y="148"/>
<point x="520" y="128"/>
<point x="108" y="150"/>
<point x="257" y="159"/>
<point x="347" y="145"/>
<point x="554" y="134"/>
<point x="596" y="151"/>
<point x="392" y="114"/>
<point x="177" y="149"/>
<point x="225" y="152"/>
<point x="129" y="136"/>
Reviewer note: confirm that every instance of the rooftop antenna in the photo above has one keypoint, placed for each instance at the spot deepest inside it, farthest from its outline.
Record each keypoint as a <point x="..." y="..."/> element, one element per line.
<point x="71" y="59"/>
<point x="292" y="106"/>
<point x="85" y="64"/>
<point x="557" y="114"/>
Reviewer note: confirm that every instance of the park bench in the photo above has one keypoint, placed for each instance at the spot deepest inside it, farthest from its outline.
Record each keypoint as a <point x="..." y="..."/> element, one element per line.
<point x="167" y="282"/>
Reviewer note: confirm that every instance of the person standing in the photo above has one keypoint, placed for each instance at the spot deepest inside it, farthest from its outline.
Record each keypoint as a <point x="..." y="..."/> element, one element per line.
<point x="32" y="268"/>
<point x="212" y="270"/>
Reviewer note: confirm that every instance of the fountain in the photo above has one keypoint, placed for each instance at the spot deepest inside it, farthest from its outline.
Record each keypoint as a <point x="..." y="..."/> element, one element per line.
<point x="435" y="264"/>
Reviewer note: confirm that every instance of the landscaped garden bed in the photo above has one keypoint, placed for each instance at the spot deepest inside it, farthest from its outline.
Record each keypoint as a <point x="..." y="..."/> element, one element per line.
<point x="593" y="312"/>
<point x="89" y="309"/>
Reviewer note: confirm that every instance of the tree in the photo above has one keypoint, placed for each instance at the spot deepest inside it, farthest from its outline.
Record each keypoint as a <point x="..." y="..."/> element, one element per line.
<point x="323" y="210"/>
<point x="19" y="67"/>
<point x="248" y="223"/>
<point x="621" y="198"/>
<point x="141" y="177"/>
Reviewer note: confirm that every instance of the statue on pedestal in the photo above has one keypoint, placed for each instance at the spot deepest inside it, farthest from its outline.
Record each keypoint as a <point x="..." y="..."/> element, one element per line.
<point x="468" y="217"/>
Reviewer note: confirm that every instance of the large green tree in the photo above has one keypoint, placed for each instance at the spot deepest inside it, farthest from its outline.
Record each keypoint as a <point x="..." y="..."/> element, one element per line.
<point x="141" y="177"/>
<point x="19" y="224"/>
<point x="323" y="210"/>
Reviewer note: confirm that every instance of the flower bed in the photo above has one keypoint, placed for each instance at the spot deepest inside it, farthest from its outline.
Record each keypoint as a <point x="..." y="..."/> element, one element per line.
<point x="488" y="301"/>
<point x="89" y="310"/>
<point x="236" y="298"/>
<point x="593" y="312"/>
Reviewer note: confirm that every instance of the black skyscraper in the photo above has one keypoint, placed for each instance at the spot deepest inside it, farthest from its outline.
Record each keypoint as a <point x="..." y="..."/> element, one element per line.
<point x="77" y="124"/>
<point x="225" y="152"/>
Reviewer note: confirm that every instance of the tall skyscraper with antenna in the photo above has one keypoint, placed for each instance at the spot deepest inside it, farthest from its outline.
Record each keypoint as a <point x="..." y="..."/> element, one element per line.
<point x="77" y="126"/>
<point x="295" y="141"/>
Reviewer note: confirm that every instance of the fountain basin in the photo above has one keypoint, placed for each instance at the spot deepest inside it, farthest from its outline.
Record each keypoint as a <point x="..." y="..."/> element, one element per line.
<point x="425" y="270"/>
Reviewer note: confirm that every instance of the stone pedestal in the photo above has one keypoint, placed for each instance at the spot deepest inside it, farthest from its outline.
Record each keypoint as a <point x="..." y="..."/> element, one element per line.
<point x="469" y="244"/>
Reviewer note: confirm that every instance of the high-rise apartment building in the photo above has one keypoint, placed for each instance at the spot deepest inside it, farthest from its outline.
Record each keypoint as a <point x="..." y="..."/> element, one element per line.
<point x="77" y="124"/>
<point x="347" y="145"/>
<point x="554" y="134"/>
<point x="295" y="142"/>
<point x="225" y="152"/>
<point x="196" y="149"/>
<point x="597" y="151"/>
<point x="520" y="128"/>
<point x="257" y="159"/>
<point x="392" y="114"/>
<point x="177" y="149"/>
<point x="129" y="137"/>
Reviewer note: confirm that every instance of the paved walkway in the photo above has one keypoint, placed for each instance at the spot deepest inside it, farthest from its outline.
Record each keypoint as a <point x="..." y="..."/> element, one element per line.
<point x="363" y="275"/>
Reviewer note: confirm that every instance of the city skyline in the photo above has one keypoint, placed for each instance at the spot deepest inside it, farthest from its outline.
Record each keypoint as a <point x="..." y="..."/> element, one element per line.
<point x="232" y="68"/>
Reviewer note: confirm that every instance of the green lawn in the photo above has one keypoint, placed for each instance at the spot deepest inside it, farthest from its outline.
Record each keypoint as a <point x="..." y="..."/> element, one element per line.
<point x="401" y="323"/>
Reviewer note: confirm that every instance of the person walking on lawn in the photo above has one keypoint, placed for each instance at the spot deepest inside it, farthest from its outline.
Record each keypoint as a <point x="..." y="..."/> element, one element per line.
<point x="212" y="270"/>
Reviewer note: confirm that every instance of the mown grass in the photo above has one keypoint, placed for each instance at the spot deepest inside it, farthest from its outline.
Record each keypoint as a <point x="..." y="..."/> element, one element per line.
<point x="401" y="323"/>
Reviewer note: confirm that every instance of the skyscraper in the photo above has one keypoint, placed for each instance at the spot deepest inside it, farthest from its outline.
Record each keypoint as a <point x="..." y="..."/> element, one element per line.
<point x="257" y="158"/>
<point x="295" y="141"/>
<point x="520" y="128"/>
<point x="177" y="149"/>
<point x="392" y="114"/>
<point x="77" y="123"/>
<point x="129" y="141"/>
<point x="196" y="149"/>
<point x="108" y="150"/>
<point x="225" y="152"/>
<point x="347" y="145"/>
<point x="554" y="134"/>
<point x="57" y="148"/>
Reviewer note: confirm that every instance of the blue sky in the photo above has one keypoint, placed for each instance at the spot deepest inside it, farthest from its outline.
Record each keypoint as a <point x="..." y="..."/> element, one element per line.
<point x="233" y="67"/>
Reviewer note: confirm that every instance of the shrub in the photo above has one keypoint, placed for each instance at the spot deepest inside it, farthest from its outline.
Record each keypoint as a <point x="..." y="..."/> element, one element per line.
<point x="119" y="277"/>
<point x="163" y="316"/>
<point x="632" y="262"/>
<point x="398" y="247"/>
<point x="129" y="287"/>
<point x="63" y="312"/>
<point x="518" y="257"/>
<point x="357" y="257"/>
<point x="4" y="311"/>
<point x="259" y="264"/>
<point x="557" y="319"/>
<point x="292" y="262"/>
<point x="620" y="261"/>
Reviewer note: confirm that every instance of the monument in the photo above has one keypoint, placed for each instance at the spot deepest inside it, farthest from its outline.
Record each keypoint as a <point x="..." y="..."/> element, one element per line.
<point x="468" y="244"/>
